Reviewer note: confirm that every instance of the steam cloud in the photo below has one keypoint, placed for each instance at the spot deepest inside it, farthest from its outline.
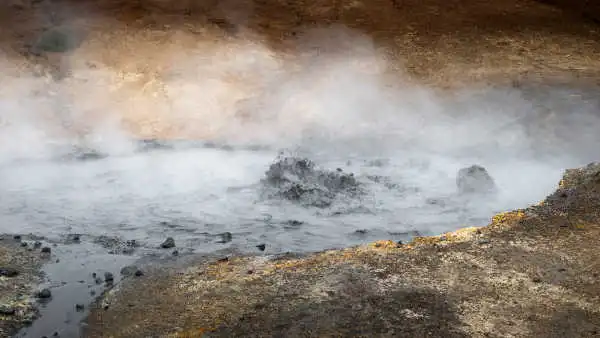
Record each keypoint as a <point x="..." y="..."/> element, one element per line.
<point x="331" y="96"/>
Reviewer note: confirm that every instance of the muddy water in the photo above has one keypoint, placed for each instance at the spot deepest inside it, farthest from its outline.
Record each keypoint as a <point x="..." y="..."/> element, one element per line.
<point x="196" y="192"/>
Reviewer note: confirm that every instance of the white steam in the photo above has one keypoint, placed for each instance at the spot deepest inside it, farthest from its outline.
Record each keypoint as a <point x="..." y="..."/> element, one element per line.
<point x="332" y="97"/>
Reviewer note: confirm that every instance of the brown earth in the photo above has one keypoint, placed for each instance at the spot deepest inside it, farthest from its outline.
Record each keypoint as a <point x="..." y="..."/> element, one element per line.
<point x="132" y="60"/>
<point x="530" y="273"/>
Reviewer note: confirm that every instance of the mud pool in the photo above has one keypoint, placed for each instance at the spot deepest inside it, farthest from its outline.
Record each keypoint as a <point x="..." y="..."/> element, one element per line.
<point x="207" y="196"/>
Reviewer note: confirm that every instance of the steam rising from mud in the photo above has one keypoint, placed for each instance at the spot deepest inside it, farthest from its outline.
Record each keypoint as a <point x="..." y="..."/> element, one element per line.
<point x="330" y="97"/>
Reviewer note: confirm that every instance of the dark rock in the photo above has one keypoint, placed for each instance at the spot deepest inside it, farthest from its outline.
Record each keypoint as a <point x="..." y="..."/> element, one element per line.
<point x="8" y="272"/>
<point x="37" y="245"/>
<point x="108" y="277"/>
<point x="475" y="179"/>
<point x="94" y="275"/>
<point x="261" y="247"/>
<point x="175" y="253"/>
<point x="98" y="280"/>
<point x="168" y="243"/>
<point x="79" y="307"/>
<point x="46" y="250"/>
<point x="73" y="238"/>
<point x="7" y="310"/>
<point x="17" y="237"/>
<point x="129" y="271"/>
<point x="138" y="273"/>
<point x="24" y="244"/>
<point x="44" y="294"/>
<point x="226" y="237"/>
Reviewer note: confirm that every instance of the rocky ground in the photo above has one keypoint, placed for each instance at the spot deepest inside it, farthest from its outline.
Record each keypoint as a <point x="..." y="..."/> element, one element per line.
<point x="529" y="273"/>
<point x="20" y="262"/>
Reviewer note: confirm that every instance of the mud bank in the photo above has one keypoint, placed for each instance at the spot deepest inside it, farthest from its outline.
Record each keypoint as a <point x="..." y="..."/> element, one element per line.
<point x="530" y="272"/>
<point x="19" y="274"/>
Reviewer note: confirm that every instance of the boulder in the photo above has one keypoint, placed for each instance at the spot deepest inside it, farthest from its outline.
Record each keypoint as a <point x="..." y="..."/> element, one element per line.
<point x="475" y="179"/>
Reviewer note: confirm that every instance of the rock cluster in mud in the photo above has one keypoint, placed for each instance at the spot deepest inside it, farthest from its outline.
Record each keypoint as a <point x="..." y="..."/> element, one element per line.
<point x="300" y="180"/>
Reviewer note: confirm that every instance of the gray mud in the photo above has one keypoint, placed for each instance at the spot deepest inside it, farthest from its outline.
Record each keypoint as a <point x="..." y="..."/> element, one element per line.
<point x="210" y="196"/>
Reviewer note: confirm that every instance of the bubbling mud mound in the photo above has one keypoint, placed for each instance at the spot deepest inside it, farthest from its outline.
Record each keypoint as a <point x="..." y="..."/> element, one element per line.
<point x="300" y="180"/>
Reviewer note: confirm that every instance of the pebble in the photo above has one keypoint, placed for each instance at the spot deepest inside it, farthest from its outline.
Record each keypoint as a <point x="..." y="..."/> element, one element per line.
<point x="46" y="249"/>
<point x="168" y="243"/>
<point x="131" y="270"/>
<point x="44" y="294"/>
<point x="226" y="237"/>
<point x="261" y="247"/>
<point x="8" y="272"/>
<point x="108" y="277"/>
<point x="7" y="310"/>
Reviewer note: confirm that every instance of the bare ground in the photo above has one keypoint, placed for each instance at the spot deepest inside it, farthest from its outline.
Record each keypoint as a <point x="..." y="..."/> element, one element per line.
<point x="19" y="273"/>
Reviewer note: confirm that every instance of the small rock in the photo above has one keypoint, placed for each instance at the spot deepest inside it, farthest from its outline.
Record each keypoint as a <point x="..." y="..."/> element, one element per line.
<point x="484" y="241"/>
<point x="8" y="272"/>
<point x="17" y="237"/>
<point x="168" y="243"/>
<point x="98" y="280"/>
<point x="24" y="244"/>
<point x="46" y="250"/>
<point x="74" y="238"/>
<point x="44" y="294"/>
<point x="226" y="237"/>
<point x="129" y="270"/>
<point x="261" y="247"/>
<point x="79" y="307"/>
<point x="175" y="253"/>
<point x="108" y="277"/>
<point x="138" y="273"/>
<point x="537" y="279"/>
<point x="94" y="275"/>
<point x="92" y="293"/>
<point x="7" y="310"/>
<point x="37" y="245"/>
